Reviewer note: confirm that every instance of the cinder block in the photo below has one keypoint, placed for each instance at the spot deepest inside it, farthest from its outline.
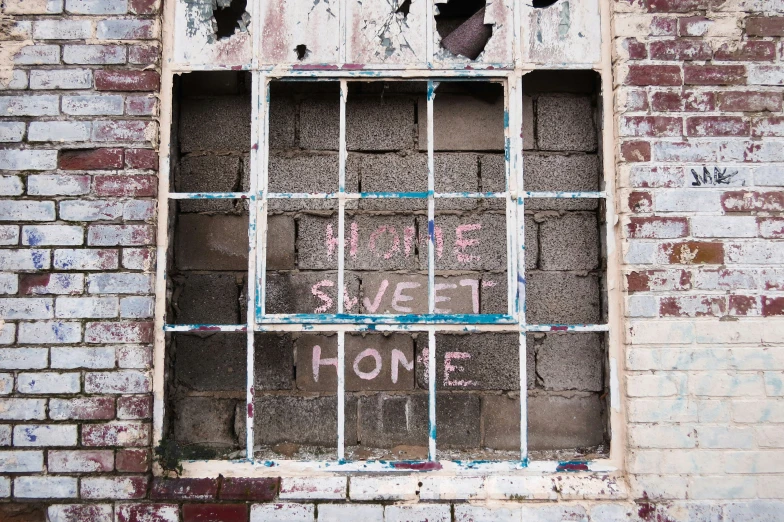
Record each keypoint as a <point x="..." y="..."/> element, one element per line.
<point x="570" y="361"/>
<point x="274" y="361"/>
<point x="464" y="122"/>
<point x="401" y="172"/>
<point x="207" y="174"/>
<point x="373" y="362"/>
<point x="456" y="173"/>
<point x="396" y="293"/>
<point x="565" y="421"/>
<point x="220" y="123"/>
<point x="570" y="242"/>
<point x="469" y="243"/>
<point x="211" y="242"/>
<point x="562" y="298"/>
<point x="211" y="362"/>
<point x="501" y="418"/>
<point x="565" y="123"/>
<point x="379" y="123"/>
<point x="479" y="361"/>
<point x="570" y="172"/>
<point x="301" y="420"/>
<point x="205" y="424"/>
<point x="282" y="122"/>
<point x="309" y="292"/>
<point x="207" y="299"/>
<point x="304" y="172"/>
<point x="458" y="417"/>
<point x="386" y="421"/>
<point x="319" y="118"/>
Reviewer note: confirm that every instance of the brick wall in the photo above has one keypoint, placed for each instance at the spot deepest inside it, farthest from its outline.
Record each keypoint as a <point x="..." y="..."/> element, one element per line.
<point x="698" y="113"/>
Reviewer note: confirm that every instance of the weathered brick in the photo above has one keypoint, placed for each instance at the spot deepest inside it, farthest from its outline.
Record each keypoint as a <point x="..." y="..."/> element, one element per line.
<point x="751" y="201"/>
<point x="55" y="332"/>
<point x="90" y="159"/>
<point x="752" y="51"/>
<point x="97" y="7"/>
<point x="129" y="433"/>
<point x="70" y="185"/>
<point x="122" y="487"/>
<point x="94" y="54"/>
<point x="644" y="75"/>
<point x="282" y="511"/>
<point x="45" y="487"/>
<point x="86" y="259"/>
<point x="119" y="283"/>
<point x="45" y="435"/>
<point x="27" y="210"/>
<point x="78" y="512"/>
<point x="148" y="512"/>
<point x="184" y="488"/>
<point x="123" y="130"/>
<point x="121" y="80"/>
<point x="122" y="332"/>
<point x="125" y="381"/>
<point x="133" y="460"/>
<point x="714" y="74"/>
<point x="717" y="126"/>
<point x="61" y="79"/>
<point x="21" y="461"/>
<point x="126" y="29"/>
<point x="91" y="105"/>
<point x="141" y="159"/>
<point x="83" y="408"/>
<point x="28" y="159"/>
<point x="248" y="489"/>
<point x="123" y="235"/>
<point x="228" y="512"/>
<point x="87" y="307"/>
<point x="52" y="235"/>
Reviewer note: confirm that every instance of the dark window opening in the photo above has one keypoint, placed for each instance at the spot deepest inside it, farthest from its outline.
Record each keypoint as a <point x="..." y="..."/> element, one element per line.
<point x="229" y="16"/>
<point x="460" y="23"/>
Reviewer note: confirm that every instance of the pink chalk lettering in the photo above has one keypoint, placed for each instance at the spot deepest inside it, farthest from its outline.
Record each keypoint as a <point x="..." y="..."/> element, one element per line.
<point x="395" y="240"/>
<point x="354" y="240"/>
<point x="399" y="297"/>
<point x="368" y="352"/>
<point x="474" y="284"/>
<point x="450" y="368"/>
<point x="399" y="357"/>
<point x="442" y="298"/>
<point x="439" y="242"/>
<point x="327" y="300"/>
<point x="318" y="362"/>
<point x="408" y="239"/>
<point x="331" y="241"/>
<point x="424" y="360"/>
<point x="372" y="307"/>
<point x="489" y="284"/>
<point x="348" y="302"/>
<point x="462" y="243"/>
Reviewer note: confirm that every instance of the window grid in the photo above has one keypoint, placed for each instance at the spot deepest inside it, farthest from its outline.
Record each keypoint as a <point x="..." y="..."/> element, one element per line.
<point x="513" y="321"/>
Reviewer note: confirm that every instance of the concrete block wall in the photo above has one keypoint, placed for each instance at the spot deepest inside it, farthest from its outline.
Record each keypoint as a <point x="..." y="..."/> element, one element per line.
<point x="698" y="104"/>
<point x="386" y="408"/>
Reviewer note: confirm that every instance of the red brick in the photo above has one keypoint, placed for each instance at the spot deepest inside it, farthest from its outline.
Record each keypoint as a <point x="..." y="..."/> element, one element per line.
<point x="750" y="101"/>
<point x="667" y="101"/>
<point x="658" y="281"/>
<point x="634" y="151"/>
<point x="644" y="75"/>
<point x="141" y="159"/>
<point x="771" y="126"/>
<point x="90" y="159"/>
<point x="640" y="202"/>
<point x="754" y="51"/>
<point x="126" y="186"/>
<point x="692" y="306"/>
<point x="145" y="7"/>
<point x="124" y="434"/>
<point x="765" y="26"/>
<point x="134" y="407"/>
<point x="636" y="49"/>
<point x="122" y="80"/>
<point x="651" y="126"/>
<point x="694" y="253"/>
<point x="215" y="513"/>
<point x="714" y="74"/>
<point x="772" y="306"/>
<point x="681" y="6"/>
<point x="22" y="513"/>
<point x="132" y="460"/>
<point x="658" y="227"/>
<point x="743" y="305"/>
<point x="664" y="26"/>
<point x="696" y="101"/>
<point x="250" y="489"/>
<point x="91" y="408"/>
<point x="752" y="201"/>
<point x="717" y="126"/>
<point x="144" y="54"/>
<point x="147" y="512"/>
<point x="184" y="488"/>
<point x="122" y="130"/>
<point x="681" y="50"/>
<point x="693" y="25"/>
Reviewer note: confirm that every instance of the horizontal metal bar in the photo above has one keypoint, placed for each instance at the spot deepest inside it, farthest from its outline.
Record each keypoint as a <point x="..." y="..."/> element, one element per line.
<point x="565" y="195"/>
<point x="413" y="327"/>
<point x="366" y="72"/>
<point x="385" y="195"/>
<point x="210" y="195"/>
<point x="566" y="327"/>
<point x="388" y="319"/>
<point x="205" y="328"/>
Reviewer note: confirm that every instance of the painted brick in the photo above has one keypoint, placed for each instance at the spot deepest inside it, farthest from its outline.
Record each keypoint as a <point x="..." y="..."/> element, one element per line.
<point x="141" y="159"/>
<point x="134" y="407"/>
<point x="138" y="259"/>
<point x="717" y="126"/>
<point x="125" y="235"/>
<point x="21" y="461"/>
<point x="634" y="151"/>
<point x="37" y="55"/>
<point x="458" y="488"/>
<point x="22" y="409"/>
<point x="80" y="461"/>
<point x="139" y="210"/>
<point x="61" y="79"/>
<point x="123" y="130"/>
<point x="24" y="358"/>
<point x="126" y="186"/>
<point x="83" y="408"/>
<point x="127" y="381"/>
<point x="411" y="513"/>
<point x="113" y="487"/>
<point x="134" y="357"/>
<point x="331" y="488"/>
<point x="90" y="105"/>
<point x="52" y="235"/>
<point x="128" y="433"/>
<point x="94" y="54"/>
<point x="45" y="487"/>
<point x="644" y="75"/>
<point x="750" y="101"/>
<point x="721" y="226"/>
<point x="62" y="30"/>
<point x="80" y="512"/>
<point x="282" y="512"/>
<point x="120" y="80"/>
<point x="752" y="51"/>
<point x="70" y="185"/>
<point x="766" y="75"/>
<point x="93" y="210"/>
<point x="11" y="186"/>
<point x="27" y="210"/>
<point x="6" y="383"/>
<point x="9" y="283"/>
<point x="119" y="283"/>
<point x="45" y="435"/>
<point x="141" y="106"/>
<point x="28" y="159"/>
<point x="96" y="7"/>
<point x="383" y="488"/>
<point x="248" y="489"/>
<point x="693" y="252"/>
<point x="11" y="131"/>
<point x="125" y="332"/>
<point x="37" y="284"/>
<point x="144" y="54"/>
<point x="38" y="308"/>
<point x="147" y="513"/>
<point x="23" y="7"/>
<point x="126" y="29"/>
<point x="340" y="512"/>
<point x="184" y="489"/>
<point x="91" y="159"/>
<point x="48" y="383"/>
<point x="133" y="460"/>
<point x="651" y="126"/>
<point x="475" y="513"/>
<point x="750" y="201"/>
<point x="223" y="512"/>
<point x="87" y="259"/>
<point x="137" y="307"/>
<point x="658" y="227"/>
<point x="70" y="358"/>
<point x="87" y="307"/>
<point x="55" y="332"/>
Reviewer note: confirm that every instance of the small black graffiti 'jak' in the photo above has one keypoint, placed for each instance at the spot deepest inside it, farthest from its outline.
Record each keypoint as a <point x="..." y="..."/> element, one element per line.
<point x="719" y="177"/>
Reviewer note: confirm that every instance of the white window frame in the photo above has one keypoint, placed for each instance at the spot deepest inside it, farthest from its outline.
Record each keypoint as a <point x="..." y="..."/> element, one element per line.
<point x="512" y="77"/>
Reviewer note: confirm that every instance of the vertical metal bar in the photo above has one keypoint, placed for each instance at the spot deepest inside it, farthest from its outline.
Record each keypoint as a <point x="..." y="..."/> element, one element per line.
<point x="341" y="267"/>
<point x="342" y="30"/>
<point x="258" y="132"/>
<point x="430" y="12"/>
<point x="511" y="156"/>
<point x="260" y="170"/>
<point x="516" y="98"/>
<point x="431" y="296"/>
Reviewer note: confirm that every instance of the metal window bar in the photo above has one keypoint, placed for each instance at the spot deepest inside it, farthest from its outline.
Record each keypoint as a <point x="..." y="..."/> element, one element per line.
<point x="513" y="321"/>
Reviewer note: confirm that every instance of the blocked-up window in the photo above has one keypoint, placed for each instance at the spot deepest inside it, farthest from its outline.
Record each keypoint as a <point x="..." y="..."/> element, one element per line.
<point x="385" y="274"/>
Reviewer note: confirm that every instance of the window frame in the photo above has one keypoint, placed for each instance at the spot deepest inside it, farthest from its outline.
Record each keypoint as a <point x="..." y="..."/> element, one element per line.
<point x="513" y="79"/>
